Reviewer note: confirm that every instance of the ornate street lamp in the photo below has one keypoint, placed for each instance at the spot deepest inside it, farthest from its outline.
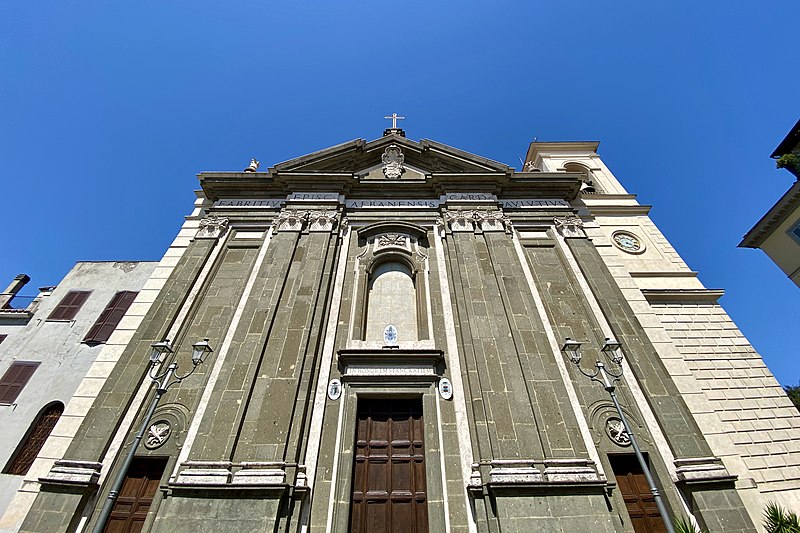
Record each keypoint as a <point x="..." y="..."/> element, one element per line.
<point x="613" y="351"/>
<point x="162" y="382"/>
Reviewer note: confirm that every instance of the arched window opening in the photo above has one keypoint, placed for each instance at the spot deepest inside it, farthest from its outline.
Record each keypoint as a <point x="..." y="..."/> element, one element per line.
<point x="588" y="185"/>
<point x="30" y="447"/>
<point x="391" y="300"/>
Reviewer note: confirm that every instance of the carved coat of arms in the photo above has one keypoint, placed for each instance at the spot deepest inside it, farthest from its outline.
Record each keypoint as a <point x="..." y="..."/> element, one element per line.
<point x="393" y="162"/>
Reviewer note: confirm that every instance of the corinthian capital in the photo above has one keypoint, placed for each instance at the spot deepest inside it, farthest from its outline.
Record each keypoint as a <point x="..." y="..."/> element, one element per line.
<point x="322" y="220"/>
<point x="211" y="227"/>
<point x="569" y="226"/>
<point x="492" y="220"/>
<point x="460" y="220"/>
<point x="465" y="220"/>
<point x="291" y="220"/>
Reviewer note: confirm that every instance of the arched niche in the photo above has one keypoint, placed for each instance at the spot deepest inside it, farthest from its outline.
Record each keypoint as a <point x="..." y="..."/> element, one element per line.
<point x="391" y="299"/>
<point x="391" y="286"/>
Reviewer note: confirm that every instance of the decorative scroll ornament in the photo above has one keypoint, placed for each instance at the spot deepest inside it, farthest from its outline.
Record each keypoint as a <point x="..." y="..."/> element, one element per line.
<point x="392" y="239"/>
<point x="616" y="432"/>
<point x="212" y="227"/>
<point x="486" y="220"/>
<point x="393" y="162"/>
<point x="569" y="226"/>
<point x="460" y="220"/>
<point x="530" y="166"/>
<point x="322" y="220"/>
<point x="587" y="186"/>
<point x="157" y="434"/>
<point x="253" y="166"/>
<point x="492" y="220"/>
<point x="291" y="220"/>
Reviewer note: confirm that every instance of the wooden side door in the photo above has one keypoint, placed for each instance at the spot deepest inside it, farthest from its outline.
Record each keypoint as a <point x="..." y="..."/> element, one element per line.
<point x="136" y="497"/>
<point x="639" y="501"/>
<point x="389" y="491"/>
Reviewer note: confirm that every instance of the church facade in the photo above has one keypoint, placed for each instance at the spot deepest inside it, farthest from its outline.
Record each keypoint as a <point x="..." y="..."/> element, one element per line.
<point x="388" y="321"/>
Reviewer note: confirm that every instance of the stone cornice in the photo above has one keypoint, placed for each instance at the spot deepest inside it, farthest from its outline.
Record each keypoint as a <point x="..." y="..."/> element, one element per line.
<point x="619" y="210"/>
<point x="538" y="148"/>
<point x="682" y="295"/>
<point x="219" y="185"/>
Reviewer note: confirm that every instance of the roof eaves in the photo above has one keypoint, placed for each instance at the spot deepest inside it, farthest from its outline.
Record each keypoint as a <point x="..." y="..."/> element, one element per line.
<point x="773" y="218"/>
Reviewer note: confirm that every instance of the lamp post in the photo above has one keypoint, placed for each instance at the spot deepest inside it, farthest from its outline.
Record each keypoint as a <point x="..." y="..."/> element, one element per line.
<point x="606" y="377"/>
<point x="162" y="382"/>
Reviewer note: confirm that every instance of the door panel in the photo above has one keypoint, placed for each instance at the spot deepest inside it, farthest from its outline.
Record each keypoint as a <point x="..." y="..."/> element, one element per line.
<point x="639" y="500"/>
<point x="389" y="491"/>
<point x="134" y="500"/>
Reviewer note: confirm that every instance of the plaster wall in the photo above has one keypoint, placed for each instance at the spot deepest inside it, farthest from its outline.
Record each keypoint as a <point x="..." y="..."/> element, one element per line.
<point x="64" y="359"/>
<point x="9" y="329"/>
<point x="91" y="384"/>
<point x="783" y="249"/>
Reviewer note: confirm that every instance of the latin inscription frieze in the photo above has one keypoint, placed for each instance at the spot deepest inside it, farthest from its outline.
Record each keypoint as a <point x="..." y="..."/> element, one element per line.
<point x="277" y="203"/>
<point x="555" y="202"/>
<point x="269" y="203"/>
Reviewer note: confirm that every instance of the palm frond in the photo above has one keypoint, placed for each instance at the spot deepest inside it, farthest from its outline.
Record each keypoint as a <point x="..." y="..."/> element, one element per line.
<point x="684" y="525"/>
<point x="778" y="520"/>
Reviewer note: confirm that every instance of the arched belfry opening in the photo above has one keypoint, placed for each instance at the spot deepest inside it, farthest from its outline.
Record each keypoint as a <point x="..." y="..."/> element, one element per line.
<point x="589" y="186"/>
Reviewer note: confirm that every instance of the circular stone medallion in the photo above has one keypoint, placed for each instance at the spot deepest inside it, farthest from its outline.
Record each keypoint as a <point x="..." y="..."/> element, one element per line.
<point x="157" y="434"/>
<point x="616" y="432"/>
<point x="627" y="242"/>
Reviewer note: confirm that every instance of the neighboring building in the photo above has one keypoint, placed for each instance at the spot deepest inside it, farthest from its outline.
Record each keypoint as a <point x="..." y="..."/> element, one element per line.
<point x="49" y="347"/>
<point x="778" y="232"/>
<point x="388" y="320"/>
<point x="14" y="314"/>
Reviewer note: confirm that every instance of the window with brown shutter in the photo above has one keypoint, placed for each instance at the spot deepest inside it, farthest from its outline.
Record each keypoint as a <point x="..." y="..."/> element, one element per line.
<point x="69" y="306"/>
<point x="3" y="337"/>
<point x="14" y="380"/>
<point x="110" y="317"/>
<point x="30" y="447"/>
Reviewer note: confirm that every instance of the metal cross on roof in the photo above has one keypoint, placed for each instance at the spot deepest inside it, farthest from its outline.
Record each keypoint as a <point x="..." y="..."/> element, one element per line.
<point x="394" y="118"/>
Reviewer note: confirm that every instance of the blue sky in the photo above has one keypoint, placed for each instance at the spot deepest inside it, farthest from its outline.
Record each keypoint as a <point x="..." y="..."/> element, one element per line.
<point x="108" y="110"/>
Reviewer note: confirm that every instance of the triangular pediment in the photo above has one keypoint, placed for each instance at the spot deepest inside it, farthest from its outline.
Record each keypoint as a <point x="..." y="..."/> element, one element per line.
<point x="367" y="160"/>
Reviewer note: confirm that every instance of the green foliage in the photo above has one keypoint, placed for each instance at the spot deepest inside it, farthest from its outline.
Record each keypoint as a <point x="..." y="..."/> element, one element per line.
<point x="794" y="395"/>
<point x="790" y="162"/>
<point x="683" y="525"/>
<point x="778" y="520"/>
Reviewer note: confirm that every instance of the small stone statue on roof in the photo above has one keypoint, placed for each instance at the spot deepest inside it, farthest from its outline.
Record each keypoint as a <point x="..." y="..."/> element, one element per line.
<point x="254" y="164"/>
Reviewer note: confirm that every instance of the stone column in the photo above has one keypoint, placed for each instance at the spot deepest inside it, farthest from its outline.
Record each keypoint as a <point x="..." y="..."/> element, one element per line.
<point x="72" y="481"/>
<point x="701" y="477"/>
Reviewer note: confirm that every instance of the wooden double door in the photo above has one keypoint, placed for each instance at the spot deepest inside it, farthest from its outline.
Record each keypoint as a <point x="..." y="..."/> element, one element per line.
<point x="389" y="493"/>
<point x="639" y="500"/>
<point x="134" y="500"/>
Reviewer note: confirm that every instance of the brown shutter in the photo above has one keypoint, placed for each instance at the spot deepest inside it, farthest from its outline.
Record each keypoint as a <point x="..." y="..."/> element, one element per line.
<point x="69" y="306"/>
<point x="109" y="319"/>
<point x="14" y="380"/>
<point x="32" y="445"/>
